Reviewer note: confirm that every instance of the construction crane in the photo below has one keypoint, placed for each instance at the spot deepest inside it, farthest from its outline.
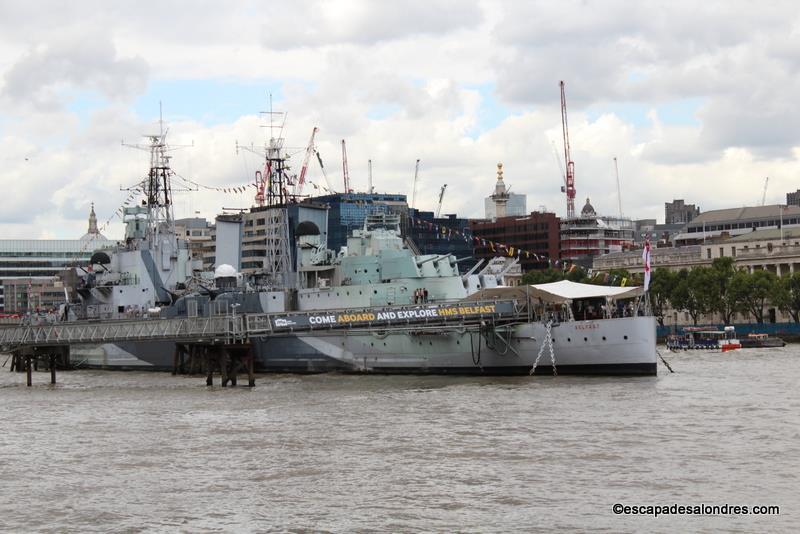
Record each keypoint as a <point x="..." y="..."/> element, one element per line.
<point x="345" y="171"/>
<point x="322" y="168"/>
<point x="764" y="194"/>
<point x="304" y="168"/>
<point x="441" y="197"/>
<point x="369" y="176"/>
<point x="414" y="186"/>
<point x="619" y="189"/>
<point x="568" y="163"/>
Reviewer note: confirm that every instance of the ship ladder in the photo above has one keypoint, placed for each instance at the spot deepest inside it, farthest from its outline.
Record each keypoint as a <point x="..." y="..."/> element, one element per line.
<point x="546" y="342"/>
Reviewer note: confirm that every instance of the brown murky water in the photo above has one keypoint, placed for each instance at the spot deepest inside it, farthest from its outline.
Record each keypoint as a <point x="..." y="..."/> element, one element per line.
<point x="126" y="452"/>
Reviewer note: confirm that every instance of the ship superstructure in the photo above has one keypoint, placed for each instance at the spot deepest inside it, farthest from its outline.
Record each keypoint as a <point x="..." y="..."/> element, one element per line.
<point x="146" y="269"/>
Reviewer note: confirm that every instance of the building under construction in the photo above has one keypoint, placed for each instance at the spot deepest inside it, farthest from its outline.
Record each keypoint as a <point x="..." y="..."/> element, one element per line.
<point x="589" y="235"/>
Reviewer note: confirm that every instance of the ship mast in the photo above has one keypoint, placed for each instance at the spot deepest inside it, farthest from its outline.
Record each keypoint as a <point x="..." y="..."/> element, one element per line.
<point x="160" y="217"/>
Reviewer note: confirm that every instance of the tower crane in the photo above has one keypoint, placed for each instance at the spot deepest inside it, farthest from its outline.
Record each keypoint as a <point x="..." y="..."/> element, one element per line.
<point x="568" y="163"/>
<point x="322" y="168"/>
<point x="369" y="176"/>
<point x="619" y="190"/>
<point x="309" y="150"/>
<point x="345" y="171"/>
<point x="441" y="197"/>
<point x="414" y="186"/>
<point x="764" y="194"/>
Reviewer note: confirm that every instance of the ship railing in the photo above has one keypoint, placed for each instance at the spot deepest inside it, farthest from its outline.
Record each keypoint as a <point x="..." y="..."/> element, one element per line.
<point x="230" y="329"/>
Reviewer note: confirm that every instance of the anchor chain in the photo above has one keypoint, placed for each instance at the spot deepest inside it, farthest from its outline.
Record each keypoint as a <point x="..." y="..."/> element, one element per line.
<point x="546" y="342"/>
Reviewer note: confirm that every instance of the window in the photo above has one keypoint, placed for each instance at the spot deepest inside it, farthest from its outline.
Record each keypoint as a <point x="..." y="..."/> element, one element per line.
<point x="721" y="252"/>
<point x="733" y="252"/>
<point x="708" y="253"/>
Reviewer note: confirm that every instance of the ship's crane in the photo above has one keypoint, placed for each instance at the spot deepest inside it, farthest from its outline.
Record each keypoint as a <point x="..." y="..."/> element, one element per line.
<point x="764" y="194"/>
<point x="345" y="170"/>
<point x="570" y="166"/>
<point x="304" y="168"/>
<point x="441" y="197"/>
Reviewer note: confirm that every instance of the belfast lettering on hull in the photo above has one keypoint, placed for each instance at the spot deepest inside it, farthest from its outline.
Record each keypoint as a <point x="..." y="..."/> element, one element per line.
<point x="387" y="316"/>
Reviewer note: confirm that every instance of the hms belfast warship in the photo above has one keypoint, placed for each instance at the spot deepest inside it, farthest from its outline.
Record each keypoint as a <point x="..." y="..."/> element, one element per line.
<point x="375" y="306"/>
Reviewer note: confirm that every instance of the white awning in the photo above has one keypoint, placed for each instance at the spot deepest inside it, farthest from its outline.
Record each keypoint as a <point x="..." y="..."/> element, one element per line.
<point x="562" y="291"/>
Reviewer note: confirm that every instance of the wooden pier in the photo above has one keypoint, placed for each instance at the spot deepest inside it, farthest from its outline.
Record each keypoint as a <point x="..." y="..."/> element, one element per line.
<point x="28" y="359"/>
<point x="229" y="359"/>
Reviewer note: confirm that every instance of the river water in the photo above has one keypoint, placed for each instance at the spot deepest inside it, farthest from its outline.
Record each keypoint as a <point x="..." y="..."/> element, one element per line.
<point x="128" y="452"/>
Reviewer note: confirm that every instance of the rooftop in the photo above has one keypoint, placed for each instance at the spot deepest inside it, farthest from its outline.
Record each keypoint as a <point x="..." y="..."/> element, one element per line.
<point x="767" y="234"/>
<point x="744" y="213"/>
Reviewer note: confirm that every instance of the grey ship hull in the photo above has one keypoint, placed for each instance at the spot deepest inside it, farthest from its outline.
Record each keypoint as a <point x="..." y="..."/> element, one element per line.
<point x="624" y="347"/>
<point x="363" y="352"/>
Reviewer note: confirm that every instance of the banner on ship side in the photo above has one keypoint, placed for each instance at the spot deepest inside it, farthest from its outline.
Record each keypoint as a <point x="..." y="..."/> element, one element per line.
<point x="389" y="316"/>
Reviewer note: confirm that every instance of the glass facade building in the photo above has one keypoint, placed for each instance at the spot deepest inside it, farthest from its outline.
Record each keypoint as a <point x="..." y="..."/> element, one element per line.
<point x="442" y="235"/>
<point x="349" y="210"/>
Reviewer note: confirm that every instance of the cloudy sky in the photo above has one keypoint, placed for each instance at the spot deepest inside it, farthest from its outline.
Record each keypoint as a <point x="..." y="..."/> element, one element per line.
<point x="697" y="100"/>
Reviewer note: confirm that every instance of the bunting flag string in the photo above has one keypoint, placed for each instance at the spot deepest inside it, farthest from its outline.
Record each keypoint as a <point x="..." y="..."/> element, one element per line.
<point x="499" y="249"/>
<point x="243" y="188"/>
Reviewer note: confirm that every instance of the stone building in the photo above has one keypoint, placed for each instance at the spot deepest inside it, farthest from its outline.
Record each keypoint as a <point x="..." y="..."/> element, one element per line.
<point x="678" y="212"/>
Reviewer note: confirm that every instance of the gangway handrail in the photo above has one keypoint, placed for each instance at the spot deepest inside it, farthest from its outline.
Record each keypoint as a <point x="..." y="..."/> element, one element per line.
<point x="242" y="327"/>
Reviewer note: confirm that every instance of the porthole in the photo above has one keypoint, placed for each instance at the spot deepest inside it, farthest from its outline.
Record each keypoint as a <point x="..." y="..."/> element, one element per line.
<point x="626" y="337"/>
<point x="604" y="338"/>
<point x="569" y="340"/>
<point x="585" y="339"/>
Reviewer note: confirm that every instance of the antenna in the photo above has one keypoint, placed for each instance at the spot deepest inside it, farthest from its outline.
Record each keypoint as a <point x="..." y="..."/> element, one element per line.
<point x="619" y="190"/>
<point x="157" y="186"/>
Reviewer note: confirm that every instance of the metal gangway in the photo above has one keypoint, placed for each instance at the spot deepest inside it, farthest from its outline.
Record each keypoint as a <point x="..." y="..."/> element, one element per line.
<point x="241" y="328"/>
<point x="228" y="329"/>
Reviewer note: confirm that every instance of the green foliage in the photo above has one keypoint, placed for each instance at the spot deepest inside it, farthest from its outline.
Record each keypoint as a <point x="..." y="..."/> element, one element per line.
<point x="662" y="283"/>
<point x="542" y="277"/>
<point x="787" y="296"/>
<point x="694" y="292"/>
<point x="723" y="297"/>
<point x="754" y="290"/>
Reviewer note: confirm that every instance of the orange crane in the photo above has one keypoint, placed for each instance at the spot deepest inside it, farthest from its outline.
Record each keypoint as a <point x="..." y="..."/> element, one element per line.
<point x="569" y="187"/>
<point x="345" y="171"/>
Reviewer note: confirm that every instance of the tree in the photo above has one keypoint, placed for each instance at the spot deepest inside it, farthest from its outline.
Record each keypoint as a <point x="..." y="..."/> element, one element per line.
<point x="543" y="277"/>
<point x="662" y="283"/>
<point x="754" y="290"/>
<point x="787" y="296"/>
<point x="724" y="299"/>
<point x="577" y="274"/>
<point x="693" y="292"/>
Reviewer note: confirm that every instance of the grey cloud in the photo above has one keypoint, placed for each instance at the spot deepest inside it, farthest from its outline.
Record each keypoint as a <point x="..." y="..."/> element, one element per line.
<point x="312" y="24"/>
<point x="46" y="72"/>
